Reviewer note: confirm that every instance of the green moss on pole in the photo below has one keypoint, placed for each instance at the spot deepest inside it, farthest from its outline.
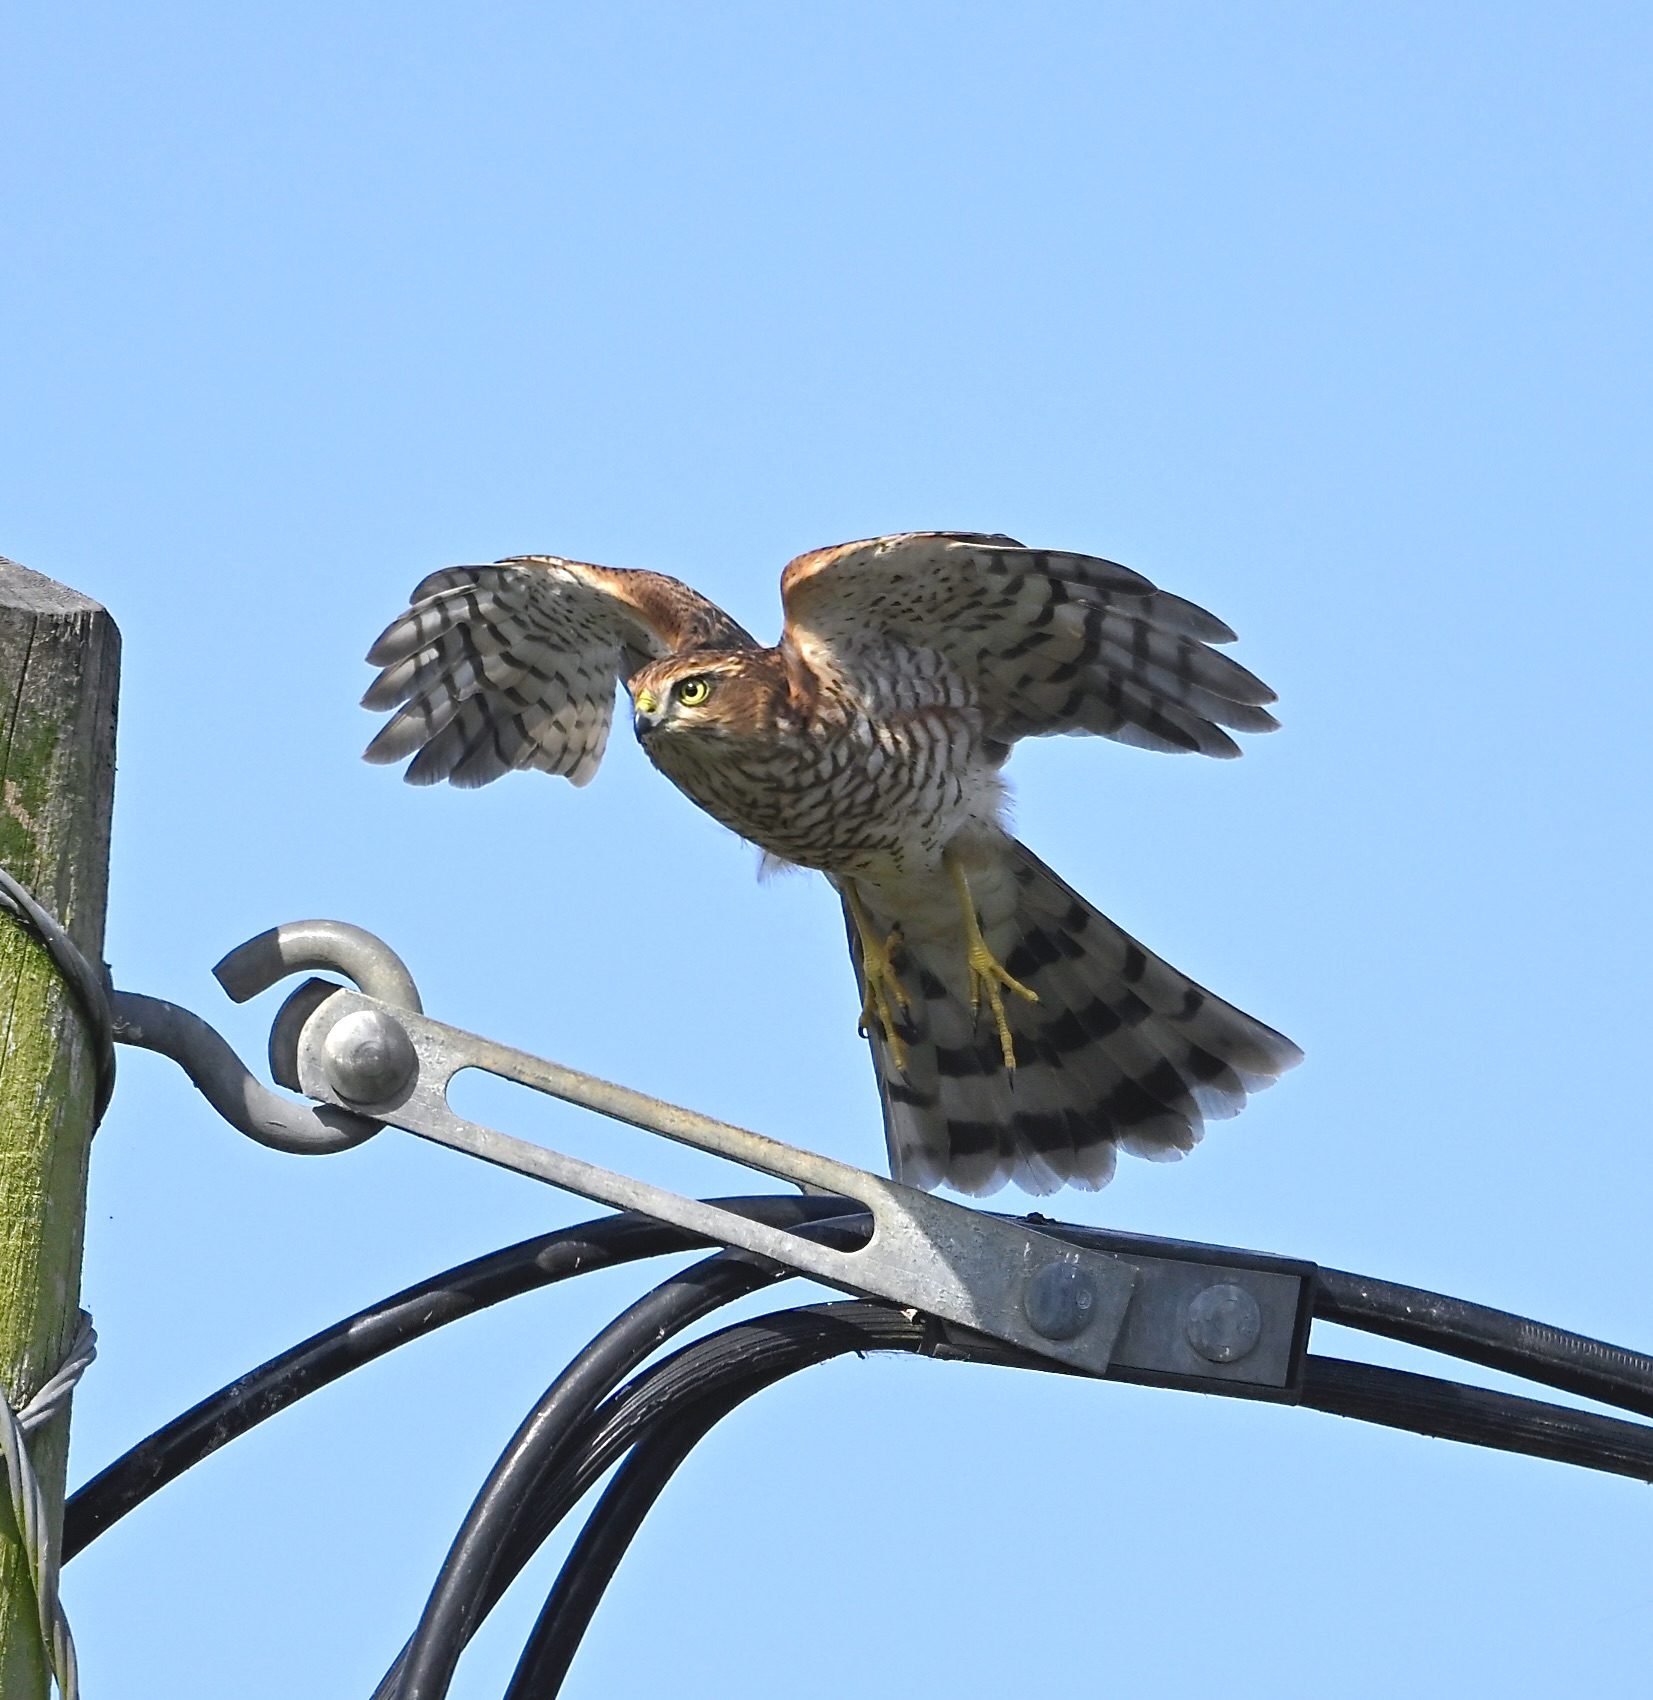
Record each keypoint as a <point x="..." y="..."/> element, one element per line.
<point x="59" y="675"/>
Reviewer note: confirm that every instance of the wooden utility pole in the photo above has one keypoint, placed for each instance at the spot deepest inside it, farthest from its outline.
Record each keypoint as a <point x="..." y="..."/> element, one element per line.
<point x="59" y="675"/>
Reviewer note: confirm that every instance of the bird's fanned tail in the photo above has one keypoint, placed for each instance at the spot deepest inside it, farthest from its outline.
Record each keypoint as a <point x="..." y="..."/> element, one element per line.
<point x="1121" y="1050"/>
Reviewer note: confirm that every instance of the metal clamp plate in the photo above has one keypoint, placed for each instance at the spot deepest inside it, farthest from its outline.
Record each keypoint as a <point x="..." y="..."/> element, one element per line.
<point x="1001" y="1278"/>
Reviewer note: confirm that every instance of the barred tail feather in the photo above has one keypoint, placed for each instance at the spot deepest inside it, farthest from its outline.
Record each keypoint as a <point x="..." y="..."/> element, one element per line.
<point x="1121" y="1051"/>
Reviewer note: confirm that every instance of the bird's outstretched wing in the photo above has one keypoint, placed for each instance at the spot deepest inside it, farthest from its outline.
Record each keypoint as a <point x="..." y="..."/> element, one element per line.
<point x="1045" y="640"/>
<point x="515" y="664"/>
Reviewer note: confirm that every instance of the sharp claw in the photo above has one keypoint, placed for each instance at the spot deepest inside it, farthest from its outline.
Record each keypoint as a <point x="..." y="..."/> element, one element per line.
<point x="987" y="973"/>
<point x="882" y="992"/>
<point x="898" y="1048"/>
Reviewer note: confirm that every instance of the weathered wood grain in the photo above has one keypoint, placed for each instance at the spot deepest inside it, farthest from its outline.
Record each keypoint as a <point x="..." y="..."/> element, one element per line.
<point x="59" y="676"/>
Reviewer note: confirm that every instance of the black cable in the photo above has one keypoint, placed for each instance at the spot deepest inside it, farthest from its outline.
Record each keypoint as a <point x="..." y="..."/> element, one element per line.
<point x="662" y="1416"/>
<point x="506" y="1523"/>
<point x="1474" y="1333"/>
<point x="590" y="1565"/>
<point x="86" y="984"/>
<point x="742" y="1364"/>
<point x="663" y="1433"/>
<point x="127" y="1481"/>
<point x="425" y="1668"/>
<point x="720" y="1371"/>
<point x="1423" y="1404"/>
<point x="741" y="1359"/>
<point x="665" y="1411"/>
<point x="1451" y="1410"/>
<point x="1495" y="1338"/>
<point x="380" y="1328"/>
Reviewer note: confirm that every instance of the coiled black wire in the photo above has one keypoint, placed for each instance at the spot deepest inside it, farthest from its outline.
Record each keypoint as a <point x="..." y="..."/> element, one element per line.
<point x="596" y="1555"/>
<point x="660" y="1418"/>
<point x="395" y="1321"/>
<point x="86" y="984"/>
<point x="1475" y="1333"/>
<point x="504" y="1526"/>
<point x="456" y="1605"/>
<point x="663" y="1413"/>
<point x="584" y="1426"/>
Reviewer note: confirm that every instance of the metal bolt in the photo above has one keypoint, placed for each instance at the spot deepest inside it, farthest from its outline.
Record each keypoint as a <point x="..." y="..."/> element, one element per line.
<point x="1060" y="1300"/>
<point x="369" y="1057"/>
<point x="1223" y="1323"/>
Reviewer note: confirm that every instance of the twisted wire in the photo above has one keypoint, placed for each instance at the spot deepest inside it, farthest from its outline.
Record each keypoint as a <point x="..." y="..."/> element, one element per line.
<point x="34" y="1522"/>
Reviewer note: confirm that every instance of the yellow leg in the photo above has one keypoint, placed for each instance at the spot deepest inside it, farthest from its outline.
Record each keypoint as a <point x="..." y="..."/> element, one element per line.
<point x="883" y="994"/>
<point x="987" y="973"/>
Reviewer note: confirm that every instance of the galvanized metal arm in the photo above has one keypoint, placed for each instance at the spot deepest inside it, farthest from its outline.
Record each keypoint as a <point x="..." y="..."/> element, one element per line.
<point x="1188" y="1316"/>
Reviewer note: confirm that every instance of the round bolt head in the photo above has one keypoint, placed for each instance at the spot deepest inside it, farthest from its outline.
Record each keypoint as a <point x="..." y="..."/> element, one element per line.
<point x="369" y="1057"/>
<point x="1060" y="1301"/>
<point x="1223" y="1323"/>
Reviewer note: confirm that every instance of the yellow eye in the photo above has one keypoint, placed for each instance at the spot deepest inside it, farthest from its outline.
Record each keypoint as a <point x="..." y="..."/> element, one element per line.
<point x="693" y="692"/>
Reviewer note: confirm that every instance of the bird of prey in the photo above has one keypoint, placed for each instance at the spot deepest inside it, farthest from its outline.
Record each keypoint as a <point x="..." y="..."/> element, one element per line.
<point x="1017" y="1034"/>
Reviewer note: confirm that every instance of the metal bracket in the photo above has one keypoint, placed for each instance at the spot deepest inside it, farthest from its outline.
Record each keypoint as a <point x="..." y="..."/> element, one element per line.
<point x="1137" y="1308"/>
<point x="1000" y="1278"/>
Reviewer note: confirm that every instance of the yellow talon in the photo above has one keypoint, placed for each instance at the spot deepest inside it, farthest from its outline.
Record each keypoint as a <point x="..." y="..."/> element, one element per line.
<point x="882" y="994"/>
<point x="987" y="973"/>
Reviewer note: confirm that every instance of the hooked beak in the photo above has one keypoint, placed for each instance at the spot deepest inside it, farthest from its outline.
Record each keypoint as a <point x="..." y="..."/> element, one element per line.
<point x="645" y="708"/>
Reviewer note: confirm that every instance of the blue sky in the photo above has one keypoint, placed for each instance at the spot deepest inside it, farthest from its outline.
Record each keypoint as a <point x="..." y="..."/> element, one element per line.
<point x="1331" y="318"/>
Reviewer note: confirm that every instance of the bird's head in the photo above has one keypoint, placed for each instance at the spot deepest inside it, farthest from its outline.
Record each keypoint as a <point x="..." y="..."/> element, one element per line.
<point x="715" y="695"/>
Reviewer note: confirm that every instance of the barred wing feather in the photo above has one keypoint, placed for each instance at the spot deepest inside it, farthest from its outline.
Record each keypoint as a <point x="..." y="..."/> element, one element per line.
<point x="514" y="665"/>
<point x="1047" y="641"/>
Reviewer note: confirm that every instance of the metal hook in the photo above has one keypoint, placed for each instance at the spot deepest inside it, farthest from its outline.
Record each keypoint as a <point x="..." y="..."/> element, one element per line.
<point x="225" y="1081"/>
<point x="242" y="1100"/>
<point x="354" y="952"/>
